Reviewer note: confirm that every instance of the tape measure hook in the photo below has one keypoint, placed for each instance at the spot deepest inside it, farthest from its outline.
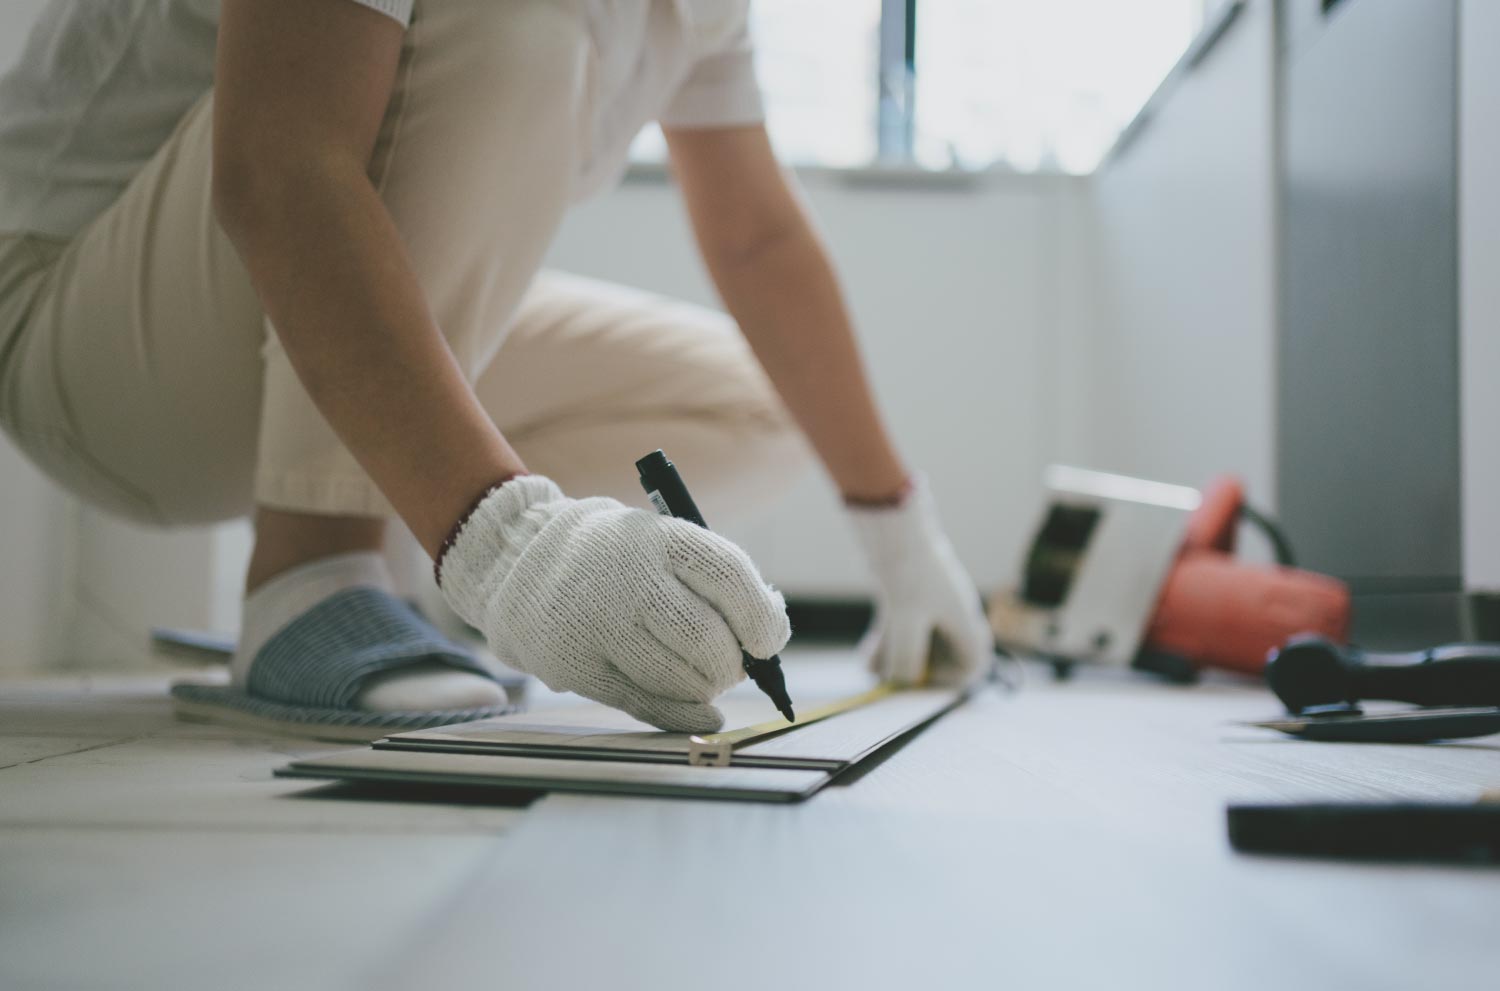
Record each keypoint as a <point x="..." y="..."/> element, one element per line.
<point x="709" y="753"/>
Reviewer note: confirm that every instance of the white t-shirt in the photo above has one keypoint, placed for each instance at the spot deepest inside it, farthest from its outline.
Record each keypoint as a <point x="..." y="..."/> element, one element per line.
<point x="101" y="85"/>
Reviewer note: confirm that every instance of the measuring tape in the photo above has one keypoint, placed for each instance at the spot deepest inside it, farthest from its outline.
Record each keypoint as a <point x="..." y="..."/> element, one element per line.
<point x="716" y="749"/>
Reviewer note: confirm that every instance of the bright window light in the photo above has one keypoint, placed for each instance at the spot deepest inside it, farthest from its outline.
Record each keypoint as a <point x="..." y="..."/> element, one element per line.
<point x="1027" y="84"/>
<point x="816" y="63"/>
<point x="1039" y="84"/>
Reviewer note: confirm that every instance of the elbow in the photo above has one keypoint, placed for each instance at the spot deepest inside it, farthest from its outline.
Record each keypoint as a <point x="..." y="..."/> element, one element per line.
<point x="238" y="194"/>
<point x="252" y="193"/>
<point x="753" y="246"/>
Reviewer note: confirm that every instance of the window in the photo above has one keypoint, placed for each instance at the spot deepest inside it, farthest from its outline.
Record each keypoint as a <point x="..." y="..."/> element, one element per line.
<point x="817" y="63"/>
<point x="1038" y="84"/>
<point x="1029" y="84"/>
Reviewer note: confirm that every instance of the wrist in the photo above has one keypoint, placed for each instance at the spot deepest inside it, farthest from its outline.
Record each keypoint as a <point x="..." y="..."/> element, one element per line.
<point x="492" y="540"/>
<point x="893" y="535"/>
<point x="888" y="496"/>
<point x="463" y="518"/>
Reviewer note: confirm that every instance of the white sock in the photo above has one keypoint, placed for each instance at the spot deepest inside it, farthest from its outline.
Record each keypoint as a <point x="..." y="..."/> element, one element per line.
<point x="416" y="687"/>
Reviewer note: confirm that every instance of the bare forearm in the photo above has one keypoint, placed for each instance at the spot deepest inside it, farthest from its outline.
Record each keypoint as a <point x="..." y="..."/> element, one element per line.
<point x="332" y="273"/>
<point x="787" y="301"/>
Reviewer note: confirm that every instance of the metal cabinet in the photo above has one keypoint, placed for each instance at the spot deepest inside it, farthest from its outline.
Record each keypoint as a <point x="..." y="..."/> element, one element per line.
<point x="1367" y="408"/>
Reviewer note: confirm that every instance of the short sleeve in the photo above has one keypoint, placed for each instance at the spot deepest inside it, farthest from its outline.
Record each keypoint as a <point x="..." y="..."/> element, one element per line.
<point x="399" y="10"/>
<point x="720" y="90"/>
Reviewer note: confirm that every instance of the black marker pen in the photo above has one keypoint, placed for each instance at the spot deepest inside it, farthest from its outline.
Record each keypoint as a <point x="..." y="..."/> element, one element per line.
<point x="670" y="497"/>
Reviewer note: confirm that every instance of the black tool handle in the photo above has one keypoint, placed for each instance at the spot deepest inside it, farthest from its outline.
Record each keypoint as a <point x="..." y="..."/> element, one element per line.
<point x="1467" y="833"/>
<point x="1312" y="671"/>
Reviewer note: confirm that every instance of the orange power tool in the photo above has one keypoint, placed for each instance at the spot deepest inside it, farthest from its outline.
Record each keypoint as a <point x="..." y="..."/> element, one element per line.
<point x="1217" y="611"/>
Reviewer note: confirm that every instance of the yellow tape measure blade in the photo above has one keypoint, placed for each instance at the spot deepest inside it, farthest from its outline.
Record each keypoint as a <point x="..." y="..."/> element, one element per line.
<point x="716" y="749"/>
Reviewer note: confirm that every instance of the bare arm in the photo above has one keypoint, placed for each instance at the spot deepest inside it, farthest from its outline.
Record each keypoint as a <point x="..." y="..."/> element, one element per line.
<point x="777" y="281"/>
<point x="302" y="86"/>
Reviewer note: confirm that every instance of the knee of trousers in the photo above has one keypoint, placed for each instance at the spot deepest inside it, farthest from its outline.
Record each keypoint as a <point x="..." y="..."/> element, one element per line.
<point x="765" y="450"/>
<point x="747" y="398"/>
<point x="767" y="440"/>
<point x="595" y="375"/>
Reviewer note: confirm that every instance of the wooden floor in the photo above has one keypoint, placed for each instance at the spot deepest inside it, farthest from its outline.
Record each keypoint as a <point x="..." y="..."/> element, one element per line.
<point x="1065" y="836"/>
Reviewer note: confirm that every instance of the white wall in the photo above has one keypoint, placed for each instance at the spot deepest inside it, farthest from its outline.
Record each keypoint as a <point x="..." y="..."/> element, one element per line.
<point x="35" y="563"/>
<point x="1176" y="382"/>
<point x="1479" y="290"/>
<point x="959" y="293"/>
<point x="34" y="535"/>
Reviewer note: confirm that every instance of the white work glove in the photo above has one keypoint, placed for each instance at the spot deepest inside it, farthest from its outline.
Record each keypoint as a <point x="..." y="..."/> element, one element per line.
<point x="928" y="621"/>
<point x="641" y="612"/>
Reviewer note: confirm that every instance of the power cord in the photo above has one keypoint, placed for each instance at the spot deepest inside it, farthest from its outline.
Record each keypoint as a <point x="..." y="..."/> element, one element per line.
<point x="1279" y="544"/>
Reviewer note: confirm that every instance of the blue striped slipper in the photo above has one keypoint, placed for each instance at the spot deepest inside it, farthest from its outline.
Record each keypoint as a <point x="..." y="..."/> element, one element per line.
<point x="306" y="677"/>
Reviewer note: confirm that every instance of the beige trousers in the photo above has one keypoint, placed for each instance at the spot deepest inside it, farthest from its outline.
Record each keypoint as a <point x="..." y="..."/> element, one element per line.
<point x="137" y="367"/>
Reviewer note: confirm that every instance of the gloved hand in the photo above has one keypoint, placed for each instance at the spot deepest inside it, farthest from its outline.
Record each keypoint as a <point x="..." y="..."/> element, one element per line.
<point x="928" y="621"/>
<point x="642" y="612"/>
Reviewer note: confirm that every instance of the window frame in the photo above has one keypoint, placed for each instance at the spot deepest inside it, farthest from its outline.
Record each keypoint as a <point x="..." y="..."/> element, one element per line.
<point x="896" y="65"/>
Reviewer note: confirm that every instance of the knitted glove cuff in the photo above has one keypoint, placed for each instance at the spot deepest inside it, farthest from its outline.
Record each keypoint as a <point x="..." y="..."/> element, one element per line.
<point x="492" y="538"/>
<point x="894" y="501"/>
<point x="458" y="525"/>
<point x="892" y="535"/>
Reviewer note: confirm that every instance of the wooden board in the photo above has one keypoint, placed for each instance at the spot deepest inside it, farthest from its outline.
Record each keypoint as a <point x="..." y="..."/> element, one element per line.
<point x="594" y="732"/>
<point x="590" y="777"/>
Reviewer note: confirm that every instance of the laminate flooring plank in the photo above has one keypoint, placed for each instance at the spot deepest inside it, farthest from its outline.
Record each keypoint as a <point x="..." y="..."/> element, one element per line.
<point x="1069" y="836"/>
<point x="121" y="708"/>
<point x="17" y="750"/>
<point x="165" y="910"/>
<point x="172" y="783"/>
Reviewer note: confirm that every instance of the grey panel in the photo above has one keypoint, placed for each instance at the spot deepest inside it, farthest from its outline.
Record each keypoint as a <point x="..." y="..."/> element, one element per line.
<point x="1408" y="620"/>
<point x="1367" y="442"/>
<point x="1299" y="22"/>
